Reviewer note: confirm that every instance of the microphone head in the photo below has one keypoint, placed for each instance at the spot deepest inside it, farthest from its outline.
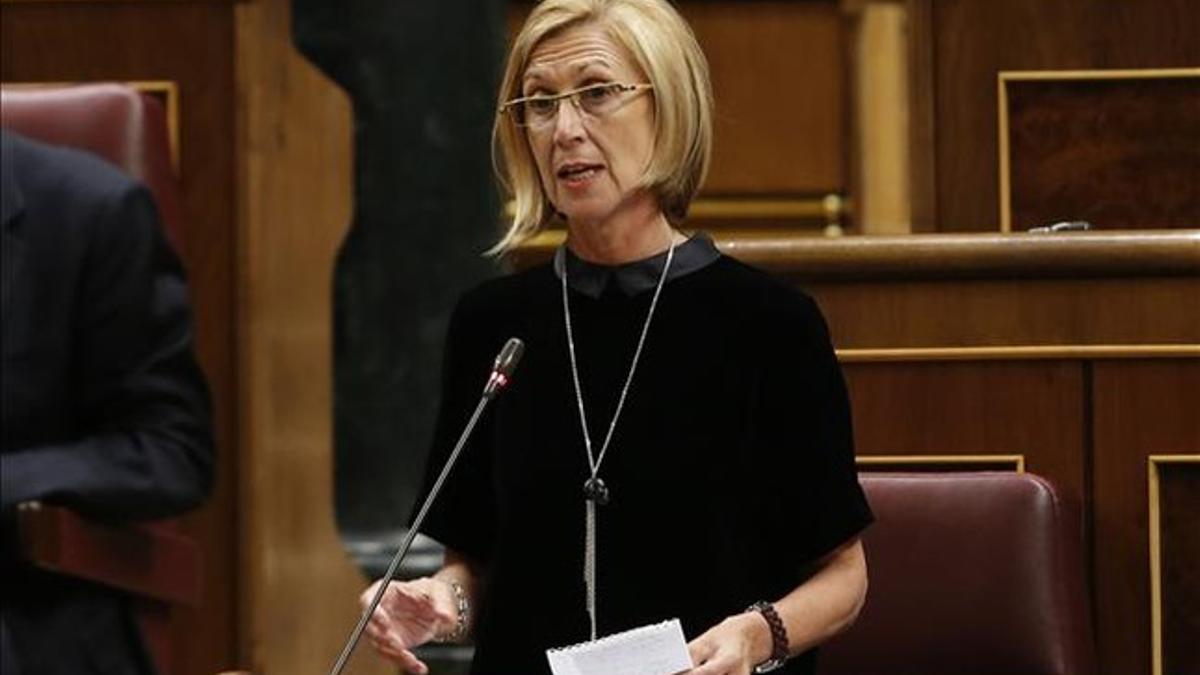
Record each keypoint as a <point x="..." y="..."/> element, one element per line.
<point x="509" y="357"/>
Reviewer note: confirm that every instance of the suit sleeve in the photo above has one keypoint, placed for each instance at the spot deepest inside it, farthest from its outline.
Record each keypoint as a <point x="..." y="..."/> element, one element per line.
<point x="144" y="447"/>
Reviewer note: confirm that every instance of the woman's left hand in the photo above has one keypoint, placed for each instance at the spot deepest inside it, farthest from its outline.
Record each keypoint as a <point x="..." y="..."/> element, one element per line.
<point x="733" y="647"/>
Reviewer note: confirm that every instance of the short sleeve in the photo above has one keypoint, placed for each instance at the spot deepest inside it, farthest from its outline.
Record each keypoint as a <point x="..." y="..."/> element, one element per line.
<point x="806" y="479"/>
<point x="462" y="516"/>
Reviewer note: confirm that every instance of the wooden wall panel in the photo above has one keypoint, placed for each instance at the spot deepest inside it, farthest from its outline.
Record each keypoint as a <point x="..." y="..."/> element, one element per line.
<point x="1118" y="149"/>
<point x="299" y="586"/>
<point x="882" y="134"/>
<point x="1141" y="408"/>
<point x="1033" y="409"/>
<point x="191" y="44"/>
<point x="973" y="40"/>
<point x="778" y="71"/>
<point x="990" y="313"/>
<point x="1178" y="563"/>
<point x="922" y="133"/>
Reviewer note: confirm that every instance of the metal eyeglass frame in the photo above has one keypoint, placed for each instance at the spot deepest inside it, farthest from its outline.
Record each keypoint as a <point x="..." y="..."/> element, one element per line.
<point x="574" y="95"/>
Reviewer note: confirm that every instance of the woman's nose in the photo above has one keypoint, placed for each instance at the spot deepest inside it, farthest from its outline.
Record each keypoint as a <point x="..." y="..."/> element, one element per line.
<point x="568" y="120"/>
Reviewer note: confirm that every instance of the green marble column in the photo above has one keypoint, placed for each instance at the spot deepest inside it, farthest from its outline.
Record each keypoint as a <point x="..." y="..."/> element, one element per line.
<point x="422" y="76"/>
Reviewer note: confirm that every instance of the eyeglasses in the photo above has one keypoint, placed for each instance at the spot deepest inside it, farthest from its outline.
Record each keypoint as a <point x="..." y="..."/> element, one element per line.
<point x="594" y="100"/>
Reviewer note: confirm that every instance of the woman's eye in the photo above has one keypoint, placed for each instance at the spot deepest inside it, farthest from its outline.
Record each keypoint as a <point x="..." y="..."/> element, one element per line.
<point x="597" y="94"/>
<point x="540" y="106"/>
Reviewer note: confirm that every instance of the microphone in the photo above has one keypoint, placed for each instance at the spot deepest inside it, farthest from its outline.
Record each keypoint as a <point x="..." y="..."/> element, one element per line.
<point x="502" y="370"/>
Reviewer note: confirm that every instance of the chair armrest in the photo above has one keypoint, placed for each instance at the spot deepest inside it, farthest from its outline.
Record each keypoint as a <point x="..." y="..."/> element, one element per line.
<point x="144" y="559"/>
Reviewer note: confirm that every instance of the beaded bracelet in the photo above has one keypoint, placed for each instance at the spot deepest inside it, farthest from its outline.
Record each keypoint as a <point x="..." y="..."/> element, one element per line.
<point x="779" y="640"/>
<point x="464" y="608"/>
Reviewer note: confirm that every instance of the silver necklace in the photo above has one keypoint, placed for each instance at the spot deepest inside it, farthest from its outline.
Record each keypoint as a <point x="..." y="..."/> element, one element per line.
<point x="594" y="490"/>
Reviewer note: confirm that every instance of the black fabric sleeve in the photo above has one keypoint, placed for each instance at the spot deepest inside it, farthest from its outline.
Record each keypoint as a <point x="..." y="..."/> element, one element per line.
<point x="463" y="516"/>
<point x="140" y="397"/>
<point x="809" y="485"/>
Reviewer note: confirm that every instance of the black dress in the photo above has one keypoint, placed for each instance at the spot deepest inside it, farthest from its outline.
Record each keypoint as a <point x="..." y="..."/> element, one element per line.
<point x="731" y="469"/>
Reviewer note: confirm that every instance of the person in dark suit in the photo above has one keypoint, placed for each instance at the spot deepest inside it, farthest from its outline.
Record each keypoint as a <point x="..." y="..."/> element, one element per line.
<point x="104" y="407"/>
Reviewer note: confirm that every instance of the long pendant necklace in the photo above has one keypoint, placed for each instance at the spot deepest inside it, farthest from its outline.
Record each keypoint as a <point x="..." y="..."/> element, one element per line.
<point x="594" y="490"/>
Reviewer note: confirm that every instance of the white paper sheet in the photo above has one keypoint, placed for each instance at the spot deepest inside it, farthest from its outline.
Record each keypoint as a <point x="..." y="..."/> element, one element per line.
<point x="657" y="649"/>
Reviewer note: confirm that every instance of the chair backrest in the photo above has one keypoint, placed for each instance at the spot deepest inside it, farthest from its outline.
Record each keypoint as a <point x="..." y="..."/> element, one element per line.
<point x="128" y="129"/>
<point x="970" y="574"/>
<point x="114" y="121"/>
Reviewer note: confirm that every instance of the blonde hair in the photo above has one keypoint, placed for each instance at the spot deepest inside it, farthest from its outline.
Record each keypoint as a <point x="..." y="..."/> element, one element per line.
<point x="666" y="50"/>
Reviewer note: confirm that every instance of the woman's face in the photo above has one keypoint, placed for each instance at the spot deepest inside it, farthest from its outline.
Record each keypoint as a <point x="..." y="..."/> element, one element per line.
<point x="590" y="164"/>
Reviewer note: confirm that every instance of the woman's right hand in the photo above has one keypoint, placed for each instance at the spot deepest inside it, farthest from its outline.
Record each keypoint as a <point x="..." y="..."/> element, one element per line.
<point x="410" y="614"/>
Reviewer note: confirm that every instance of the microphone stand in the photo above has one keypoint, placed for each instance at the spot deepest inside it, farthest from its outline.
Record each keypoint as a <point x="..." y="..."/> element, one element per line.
<point x="495" y="383"/>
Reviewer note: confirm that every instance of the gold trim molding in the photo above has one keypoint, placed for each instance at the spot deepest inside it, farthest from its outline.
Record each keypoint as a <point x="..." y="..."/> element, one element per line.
<point x="1018" y="461"/>
<point x="1018" y="353"/>
<point x="1153" y="468"/>
<point x="1006" y="76"/>
<point x="830" y="208"/>
<point x="167" y="90"/>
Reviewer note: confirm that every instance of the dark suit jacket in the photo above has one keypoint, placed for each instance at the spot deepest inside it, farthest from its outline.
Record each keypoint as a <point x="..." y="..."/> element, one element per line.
<point x="104" y="407"/>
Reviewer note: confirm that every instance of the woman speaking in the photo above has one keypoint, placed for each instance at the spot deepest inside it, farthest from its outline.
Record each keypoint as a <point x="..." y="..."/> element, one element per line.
<point x="678" y="441"/>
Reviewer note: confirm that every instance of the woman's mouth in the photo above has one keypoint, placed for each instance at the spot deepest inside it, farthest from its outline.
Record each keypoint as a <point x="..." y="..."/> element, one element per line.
<point x="578" y="175"/>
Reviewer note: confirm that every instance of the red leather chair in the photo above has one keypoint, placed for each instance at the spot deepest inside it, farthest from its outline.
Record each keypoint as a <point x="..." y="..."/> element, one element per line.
<point x="154" y="562"/>
<point x="970" y="574"/>
<point x="114" y="121"/>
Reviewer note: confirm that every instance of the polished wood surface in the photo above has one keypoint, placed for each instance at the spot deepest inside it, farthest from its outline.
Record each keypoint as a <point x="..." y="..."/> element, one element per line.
<point x="948" y="256"/>
<point x="298" y="586"/>
<point x="1088" y="419"/>
<point x="881" y="161"/>
<point x="1087" y="411"/>
<point x="969" y="408"/>
<point x="1117" y="149"/>
<point x="987" y="313"/>
<point x="932" y="257"/>
<point x="1180" y="564"/>
<point x="157" y="567"/>
<point x="777" y="71"/>
<point x="973" y="40"/>
<point x="922" y="130"/>
<point x="1140" y="408"/>
<point x="149" y="560"/>
<point x="940" y="291"/>
<point x="190" y="44"/>
<point x="1089" y="424"/>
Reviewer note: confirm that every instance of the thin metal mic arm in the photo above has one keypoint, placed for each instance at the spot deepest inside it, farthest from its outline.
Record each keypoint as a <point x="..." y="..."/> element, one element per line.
<point x="501" y="371"/>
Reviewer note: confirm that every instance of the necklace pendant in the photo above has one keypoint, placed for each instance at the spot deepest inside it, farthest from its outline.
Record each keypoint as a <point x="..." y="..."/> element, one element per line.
<point x="596" y="491"/>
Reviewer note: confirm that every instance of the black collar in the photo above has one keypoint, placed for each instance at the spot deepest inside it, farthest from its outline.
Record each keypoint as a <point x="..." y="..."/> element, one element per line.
<point x="638" y="276"/>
